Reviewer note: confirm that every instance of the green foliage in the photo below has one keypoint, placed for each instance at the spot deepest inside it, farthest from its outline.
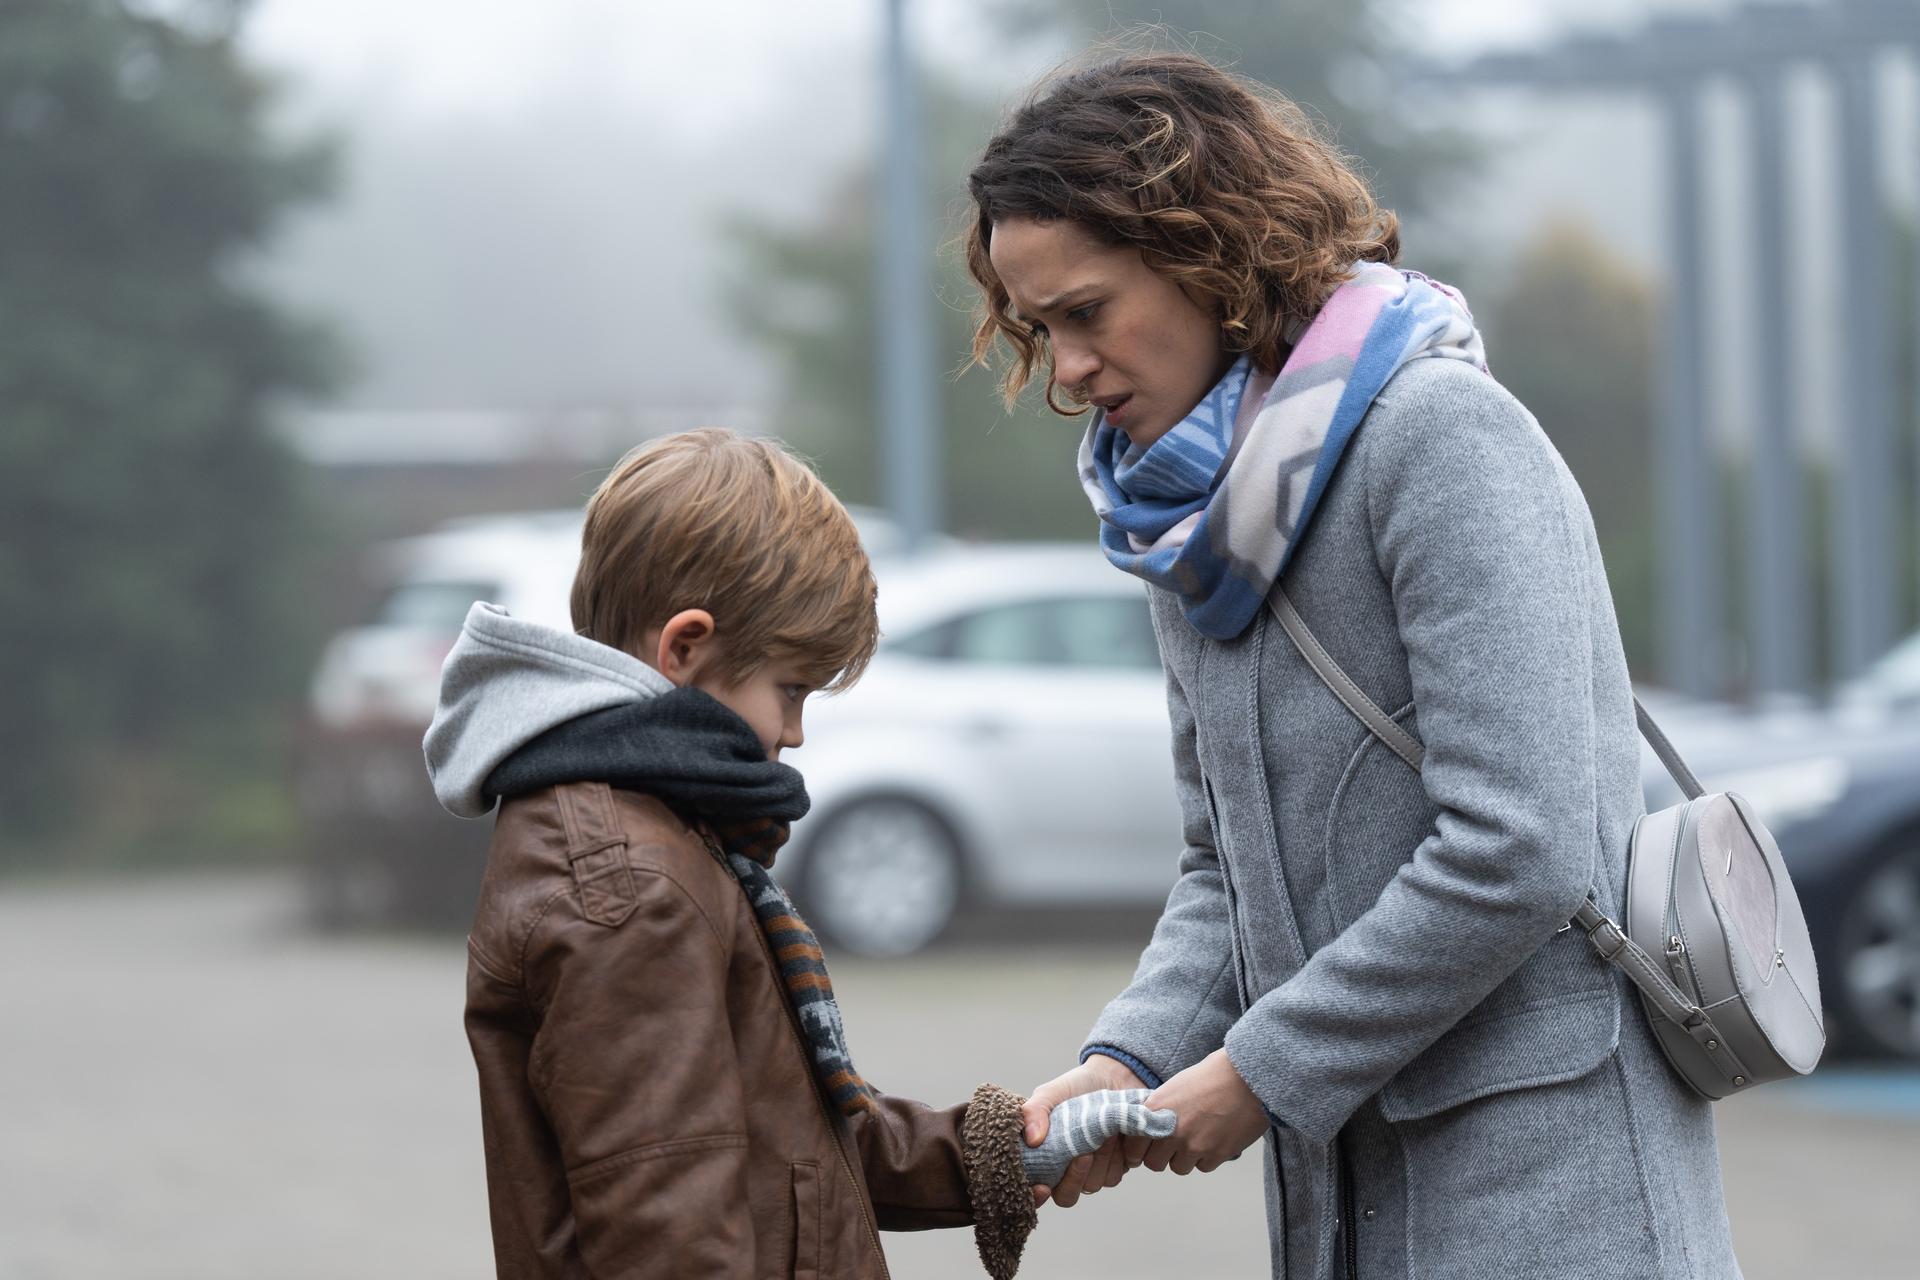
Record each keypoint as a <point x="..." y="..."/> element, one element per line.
<point x="151" y="522"/>
<point x="806" y="294"/>
<point x="1571" y="337"/>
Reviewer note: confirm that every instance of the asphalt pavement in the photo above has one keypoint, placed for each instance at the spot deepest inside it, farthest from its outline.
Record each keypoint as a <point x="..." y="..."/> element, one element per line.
<point x="195" y="1087"/>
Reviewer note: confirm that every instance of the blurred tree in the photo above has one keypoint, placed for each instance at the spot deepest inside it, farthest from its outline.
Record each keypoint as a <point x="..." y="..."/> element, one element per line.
<point x="806" y="293"/>
<point x="148" y="518"/>
<point x="1569" y="336"/>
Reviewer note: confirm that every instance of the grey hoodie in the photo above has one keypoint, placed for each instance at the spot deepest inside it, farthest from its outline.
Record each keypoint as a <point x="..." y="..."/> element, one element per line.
<point x="506" y="682"/>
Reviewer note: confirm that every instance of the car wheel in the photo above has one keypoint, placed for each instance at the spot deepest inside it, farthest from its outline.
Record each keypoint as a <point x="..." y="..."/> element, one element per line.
<point x="882" y="877"/>
<point x="1878" y="954"/>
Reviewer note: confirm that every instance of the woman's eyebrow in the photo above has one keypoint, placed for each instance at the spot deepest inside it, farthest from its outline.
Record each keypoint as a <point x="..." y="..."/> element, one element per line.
<point x="1066" y="296"/>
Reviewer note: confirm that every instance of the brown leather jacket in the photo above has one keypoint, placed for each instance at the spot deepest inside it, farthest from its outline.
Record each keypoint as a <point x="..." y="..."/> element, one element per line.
<point x="647" y="1106"/>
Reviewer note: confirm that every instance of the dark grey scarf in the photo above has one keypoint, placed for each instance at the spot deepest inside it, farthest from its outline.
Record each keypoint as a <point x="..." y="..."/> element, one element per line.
<point x="691" y="751"/>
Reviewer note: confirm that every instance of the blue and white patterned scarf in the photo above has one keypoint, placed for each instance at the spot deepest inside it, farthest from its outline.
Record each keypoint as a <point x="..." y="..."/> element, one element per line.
<point x="1214" y="508"/>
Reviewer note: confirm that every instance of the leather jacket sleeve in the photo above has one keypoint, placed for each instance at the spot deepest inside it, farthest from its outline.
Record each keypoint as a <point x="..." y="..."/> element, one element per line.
<point x="928" y="1168"/>
<point x="912" y="1157"/>
<point x="636" y="1069"/>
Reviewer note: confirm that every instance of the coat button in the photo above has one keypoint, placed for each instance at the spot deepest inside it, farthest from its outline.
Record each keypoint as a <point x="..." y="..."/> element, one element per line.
<point x="1739" y="1080"/>
<point x="1713" y="1044"/>
<point x="1367" y="1214"/>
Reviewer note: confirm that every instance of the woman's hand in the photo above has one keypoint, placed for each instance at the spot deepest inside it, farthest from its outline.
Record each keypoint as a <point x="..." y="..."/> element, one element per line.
<point x="1105" y="1167"/>
<point x="1219" y="1117"/>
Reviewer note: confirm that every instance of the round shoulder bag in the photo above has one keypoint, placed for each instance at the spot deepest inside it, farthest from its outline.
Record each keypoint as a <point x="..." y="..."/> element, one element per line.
<point x="1714" y="938"/>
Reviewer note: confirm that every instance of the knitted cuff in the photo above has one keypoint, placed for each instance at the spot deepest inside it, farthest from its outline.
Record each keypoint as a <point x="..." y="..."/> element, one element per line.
<point x="1003" y="1209"/>
<point x="1148" y="1076"/>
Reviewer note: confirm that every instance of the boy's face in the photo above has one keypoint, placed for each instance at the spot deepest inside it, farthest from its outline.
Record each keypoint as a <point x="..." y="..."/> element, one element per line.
<point x="770" y="699"/>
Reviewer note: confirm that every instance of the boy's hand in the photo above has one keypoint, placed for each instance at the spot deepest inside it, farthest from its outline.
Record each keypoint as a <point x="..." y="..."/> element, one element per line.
<point x="1219" y="1117"/>
<point x="1082" y="1125"/>
<point x="1105" y="1167"/>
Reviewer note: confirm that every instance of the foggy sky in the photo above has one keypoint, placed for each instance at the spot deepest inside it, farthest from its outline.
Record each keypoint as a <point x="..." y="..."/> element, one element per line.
<point x="534" y="191"/>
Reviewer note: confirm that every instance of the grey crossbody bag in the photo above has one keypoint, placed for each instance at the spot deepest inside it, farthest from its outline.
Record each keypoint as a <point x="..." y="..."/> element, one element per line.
<point x="1714" y="939"/>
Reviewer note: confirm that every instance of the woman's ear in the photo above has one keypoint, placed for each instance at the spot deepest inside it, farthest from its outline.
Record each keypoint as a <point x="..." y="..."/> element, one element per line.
<point x="687" y="645"/>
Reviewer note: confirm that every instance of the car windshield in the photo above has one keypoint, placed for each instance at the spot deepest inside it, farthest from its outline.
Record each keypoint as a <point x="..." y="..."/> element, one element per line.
<point x="440" y="605"/>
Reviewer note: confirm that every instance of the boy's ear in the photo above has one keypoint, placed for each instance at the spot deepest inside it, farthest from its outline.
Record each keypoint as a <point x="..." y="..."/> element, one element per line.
<point x="686" y="645"/>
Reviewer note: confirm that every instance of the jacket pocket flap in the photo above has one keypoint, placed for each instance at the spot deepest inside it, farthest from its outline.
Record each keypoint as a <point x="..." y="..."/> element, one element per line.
<point x="1517" y="1049"/>
<point x="806" y="1220"/>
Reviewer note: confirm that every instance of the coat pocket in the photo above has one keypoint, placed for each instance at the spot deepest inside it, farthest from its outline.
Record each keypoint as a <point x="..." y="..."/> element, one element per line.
<point x="1541" y="1182"/>
<point x="1378" y="816"/>
<point x="806" y="1220"/>
<point x="1562" y="1037"/>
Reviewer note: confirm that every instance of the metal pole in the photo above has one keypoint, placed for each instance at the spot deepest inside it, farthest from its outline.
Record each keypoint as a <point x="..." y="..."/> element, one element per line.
<point x="1865" y="582"/>
<point x="907" y="401"/>
<point x="1776" y="573"/>
<point x="1688" y="548"/>
<point x="1912" y="523"/>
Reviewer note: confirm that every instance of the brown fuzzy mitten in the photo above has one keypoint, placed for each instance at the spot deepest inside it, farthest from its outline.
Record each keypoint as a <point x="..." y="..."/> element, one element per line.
<point x="1003" y="1210"/>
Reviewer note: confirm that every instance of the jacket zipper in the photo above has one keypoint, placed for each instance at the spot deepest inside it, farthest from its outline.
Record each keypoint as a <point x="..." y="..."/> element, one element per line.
<point x="1349" y="1224"/>
<point x="839" y="1143"/>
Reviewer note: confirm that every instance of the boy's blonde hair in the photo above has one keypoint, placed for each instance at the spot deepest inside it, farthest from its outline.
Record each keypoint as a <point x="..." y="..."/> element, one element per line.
<point x="739" y="527"/>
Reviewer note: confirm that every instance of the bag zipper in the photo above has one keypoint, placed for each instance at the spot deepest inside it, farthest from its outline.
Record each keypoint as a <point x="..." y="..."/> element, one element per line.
<point x="1678" y="961"/>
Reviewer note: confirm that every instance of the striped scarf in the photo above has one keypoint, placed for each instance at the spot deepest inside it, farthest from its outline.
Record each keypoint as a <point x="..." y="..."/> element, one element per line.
<point x="749" y="848"/>
<point x="1213" y="509"/>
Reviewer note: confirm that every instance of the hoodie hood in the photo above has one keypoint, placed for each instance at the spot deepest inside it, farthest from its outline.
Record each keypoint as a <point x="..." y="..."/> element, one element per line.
<point x="506" y="682"/>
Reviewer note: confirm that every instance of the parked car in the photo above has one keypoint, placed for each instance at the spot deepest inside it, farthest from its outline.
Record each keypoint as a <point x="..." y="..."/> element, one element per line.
<point x="1008" y="746"/>
<point x="378" y="847"/>
<point x="387" y="670"/>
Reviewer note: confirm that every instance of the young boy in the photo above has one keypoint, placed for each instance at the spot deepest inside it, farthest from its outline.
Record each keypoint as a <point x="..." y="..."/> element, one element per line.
<point x="665" y="1088"/>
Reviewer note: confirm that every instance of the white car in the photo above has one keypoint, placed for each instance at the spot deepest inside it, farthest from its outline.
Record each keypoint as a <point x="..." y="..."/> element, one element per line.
<point x="1008" y="746"/>
<point x="387" y="670"/>
<point x="377" y="846"/>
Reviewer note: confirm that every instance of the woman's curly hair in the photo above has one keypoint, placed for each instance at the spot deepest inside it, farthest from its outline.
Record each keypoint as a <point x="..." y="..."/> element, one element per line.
<point x="1223" y="185"/>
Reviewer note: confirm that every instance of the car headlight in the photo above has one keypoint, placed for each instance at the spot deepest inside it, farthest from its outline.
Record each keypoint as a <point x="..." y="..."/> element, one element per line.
<point x="1783" y="794"/>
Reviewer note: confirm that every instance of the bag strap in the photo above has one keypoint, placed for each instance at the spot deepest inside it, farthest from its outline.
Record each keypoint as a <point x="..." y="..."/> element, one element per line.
<point x="1351" y="695"/>
<point x="1404" y="744"/>
<point x="1669" y="758"/>
<point x="1606" y="937"/>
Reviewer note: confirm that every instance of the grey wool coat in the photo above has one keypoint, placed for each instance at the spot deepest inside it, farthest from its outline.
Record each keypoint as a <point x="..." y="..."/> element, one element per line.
<point x="1460" y="1088"/>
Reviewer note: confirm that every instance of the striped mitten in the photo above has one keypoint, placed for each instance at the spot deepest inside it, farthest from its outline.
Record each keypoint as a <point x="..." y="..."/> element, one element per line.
<point x="1079" y="1125"/>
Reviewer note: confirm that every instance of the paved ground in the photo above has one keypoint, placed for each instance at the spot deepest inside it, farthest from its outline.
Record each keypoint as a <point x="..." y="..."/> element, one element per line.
<point x="193" y="1088"/>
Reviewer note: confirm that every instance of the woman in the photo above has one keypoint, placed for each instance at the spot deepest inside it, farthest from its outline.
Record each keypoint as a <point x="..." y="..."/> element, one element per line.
<point x="1366" y="965"/>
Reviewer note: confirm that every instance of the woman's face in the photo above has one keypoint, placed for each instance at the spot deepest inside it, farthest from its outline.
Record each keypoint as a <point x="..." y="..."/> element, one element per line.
<point x="1123" y="337"/>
